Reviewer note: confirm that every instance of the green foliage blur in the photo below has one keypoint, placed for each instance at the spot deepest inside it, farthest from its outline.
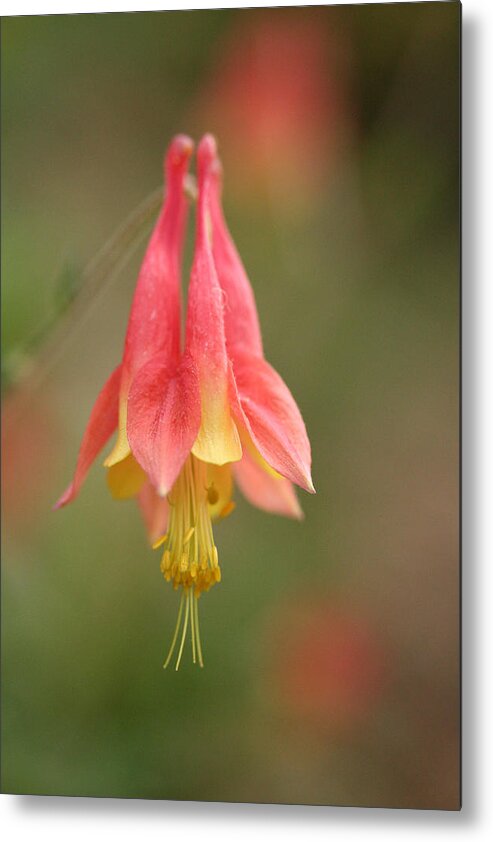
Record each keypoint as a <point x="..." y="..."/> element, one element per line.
<point x="331" y="646"/>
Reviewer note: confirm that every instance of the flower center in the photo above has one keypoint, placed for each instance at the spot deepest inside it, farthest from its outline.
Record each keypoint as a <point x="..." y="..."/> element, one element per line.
<point x="190" y="558"/>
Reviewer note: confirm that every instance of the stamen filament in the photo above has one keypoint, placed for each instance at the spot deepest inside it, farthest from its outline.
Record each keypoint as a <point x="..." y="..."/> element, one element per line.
<point x="188" y="535"/>
<point x="185" y="626"/>
<point x="191" y="596"/>
<point x="197" y="629"/>
<point x="159" y="542"/>
<point x="175" y="636"/>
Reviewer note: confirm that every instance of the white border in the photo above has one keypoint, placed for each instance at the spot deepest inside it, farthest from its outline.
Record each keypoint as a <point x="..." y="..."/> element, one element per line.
<point x="59" y="7"/>
<point x="54" y="819"/>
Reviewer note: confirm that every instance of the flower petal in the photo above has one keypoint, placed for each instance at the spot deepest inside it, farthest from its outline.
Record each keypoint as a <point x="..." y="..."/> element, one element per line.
<point x="102" y="423"/>
<point x="154" y="322"/>
<point x="273" y="419"/>
<point x="264" y="488"/>
<point x="126" y="478"/>
<point x="121" y="448"/>
<point x="218" y="440"/>
<point x="241" y="322"/>
<point x="219" y="489"/>
<point x="163" y="418"/>
<point x="155" y="511"/>
<point x="261" y="484"/>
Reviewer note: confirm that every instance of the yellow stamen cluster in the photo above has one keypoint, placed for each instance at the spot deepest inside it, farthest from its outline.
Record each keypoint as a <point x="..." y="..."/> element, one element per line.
<point x="190" y="558"/>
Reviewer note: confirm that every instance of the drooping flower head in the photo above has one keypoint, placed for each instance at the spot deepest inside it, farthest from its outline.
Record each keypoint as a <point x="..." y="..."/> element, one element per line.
<point x="195" y="415"/>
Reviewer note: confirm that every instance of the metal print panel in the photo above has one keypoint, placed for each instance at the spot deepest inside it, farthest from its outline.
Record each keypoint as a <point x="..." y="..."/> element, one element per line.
<point x="230" y="405"/>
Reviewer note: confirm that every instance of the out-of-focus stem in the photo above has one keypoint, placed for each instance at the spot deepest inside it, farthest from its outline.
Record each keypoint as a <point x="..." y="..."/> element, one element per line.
<point x="29" y="365"/>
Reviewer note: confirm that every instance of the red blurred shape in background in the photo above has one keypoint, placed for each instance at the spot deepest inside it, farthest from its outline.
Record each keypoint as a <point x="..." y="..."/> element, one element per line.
<point x="330" y="665"/>
<point x="277" y="100"/>
<point x="29" y="448"/>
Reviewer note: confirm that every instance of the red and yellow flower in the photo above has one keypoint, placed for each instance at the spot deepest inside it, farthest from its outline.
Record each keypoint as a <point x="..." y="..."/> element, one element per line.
<point x="195" y="416"/>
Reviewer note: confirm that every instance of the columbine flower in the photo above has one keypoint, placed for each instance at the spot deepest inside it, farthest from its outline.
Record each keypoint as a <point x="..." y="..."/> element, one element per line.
<point x="192" y="419"/>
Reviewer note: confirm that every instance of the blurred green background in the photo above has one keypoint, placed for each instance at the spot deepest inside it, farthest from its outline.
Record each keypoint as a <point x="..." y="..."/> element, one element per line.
<point x="331" y="646"/>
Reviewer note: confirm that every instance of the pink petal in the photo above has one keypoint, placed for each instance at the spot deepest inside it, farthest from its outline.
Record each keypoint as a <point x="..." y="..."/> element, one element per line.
<point x="273" y="419"/>
<point x="163" y="418"/>
<point x="240" y="313"/>
<point x="261" y="488"/>
<point x="155" y="510"/>
<point x="102" y="424"/>
<point x="154" y="324"/>
<point x="218" y="441"/>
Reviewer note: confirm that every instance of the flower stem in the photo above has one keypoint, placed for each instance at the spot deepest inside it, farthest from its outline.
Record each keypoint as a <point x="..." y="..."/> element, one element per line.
<point x="28" y="365"/>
